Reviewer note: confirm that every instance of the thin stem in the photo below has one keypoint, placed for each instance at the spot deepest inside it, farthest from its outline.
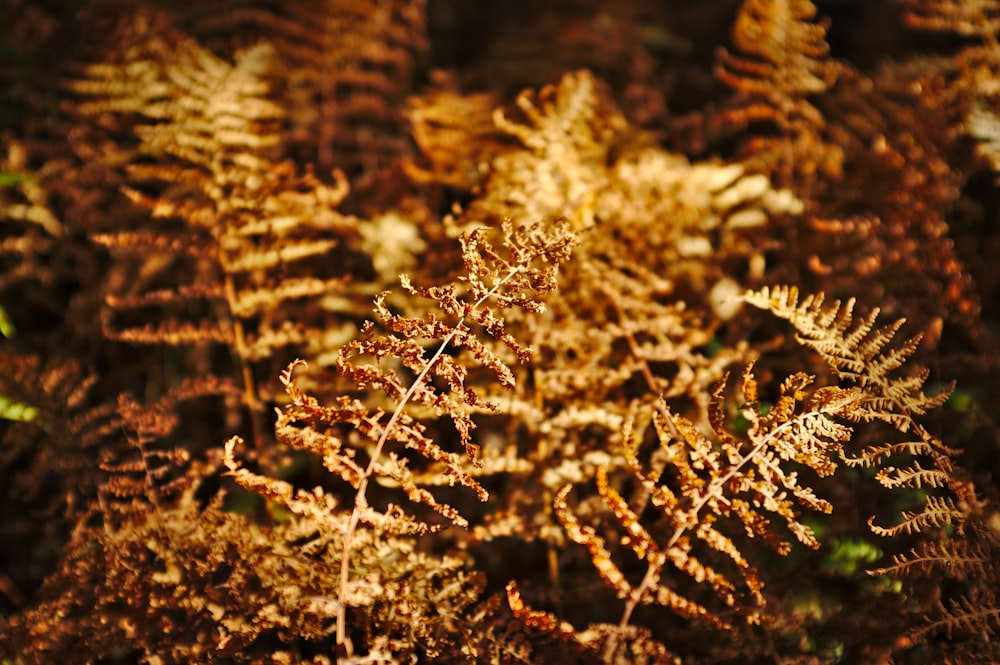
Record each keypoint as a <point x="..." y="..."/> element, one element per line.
<point x="360" y="499"/>
<point x="249" y="386"/>
<point x="714" y="489"/>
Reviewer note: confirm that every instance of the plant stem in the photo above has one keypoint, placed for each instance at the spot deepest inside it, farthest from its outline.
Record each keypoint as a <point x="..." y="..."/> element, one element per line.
<point x="360" y="499"/>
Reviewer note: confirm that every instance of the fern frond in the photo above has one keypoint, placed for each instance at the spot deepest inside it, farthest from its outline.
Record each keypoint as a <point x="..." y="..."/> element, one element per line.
<point x="937" y="512"/>
<point x="983" y="125"/>
<point x="155" y="471"/>
<point x="964" y="615"/>
<point x="914" y="476"/>
<point x="343" y="71"/>
<point x="874" y="456"/>
<point x="855" y="353"/>
<point x="779" y="64"/>
<point x="34" y="252"/>
<point x="782" y="51"/>
<point x="747" y="478"/>
<point x="585" y="535"/>
<point x="454" y="134"/>
<point x="708" y="485"/>
<point x="240" y="246"/>
<point x="862" y="356"/>
<point x="979" y="18"/>
<point x="403" y="361"/>
<point x="959" y="558"/>
<point x="56" y="428"/>
<point x="566" y="133"/>
<point x="569" y="644"/>
<point x="866" y="357"/>
<point x="968" y="615"/>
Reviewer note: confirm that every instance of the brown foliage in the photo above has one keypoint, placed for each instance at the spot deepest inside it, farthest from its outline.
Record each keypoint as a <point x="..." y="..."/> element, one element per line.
<point x="314" y="355"/>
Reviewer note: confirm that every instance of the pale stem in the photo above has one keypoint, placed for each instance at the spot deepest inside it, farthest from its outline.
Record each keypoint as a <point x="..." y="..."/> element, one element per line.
<point x="359" y="499"/>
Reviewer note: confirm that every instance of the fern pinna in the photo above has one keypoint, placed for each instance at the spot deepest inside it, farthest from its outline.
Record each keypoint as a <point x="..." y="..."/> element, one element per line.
<point x="419" y="364"/>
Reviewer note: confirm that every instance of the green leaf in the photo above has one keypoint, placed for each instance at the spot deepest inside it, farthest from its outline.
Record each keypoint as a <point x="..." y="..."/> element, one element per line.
<point x="961" y="401"/>
<point x="9" y="178"/>
<point x="7" y="328"/>
<point x="850" y="553"/>
<point x="10" y="410"/>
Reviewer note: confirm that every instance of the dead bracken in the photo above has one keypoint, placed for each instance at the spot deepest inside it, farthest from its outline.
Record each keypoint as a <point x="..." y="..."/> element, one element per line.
<point x="407" y="331"/>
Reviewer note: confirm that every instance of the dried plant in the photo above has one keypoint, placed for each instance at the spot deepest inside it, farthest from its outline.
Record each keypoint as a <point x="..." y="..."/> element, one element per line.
<point x="31" y="229"/>
<point x="781" y="63"/>
<point x="729" y="483"/>
<point x="493" y="283"/>
<point x="978" y="18"/>
<point x="351" y="65"/>
<point x="567" y="432"/>
<point x="238" y="241"/>
<point x="442" y="122"/>
<point x="49" y="450"/>
<point x="341" y="71"/>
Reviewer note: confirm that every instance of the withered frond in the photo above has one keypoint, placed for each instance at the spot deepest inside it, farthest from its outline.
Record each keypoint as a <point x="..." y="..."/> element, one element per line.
<point x="154" y="472"/>
<point x="666" y="229"/>
<point x="239" y="247"/>
<point x="562" y="642"/>
<point x="344" y="69"/>
<point x="567" y="133"/>
<point x="779" y="67"/>
<point x="514" y="277"/>
<point x="542" y="621"/>
<point x="39" y="256"/>
<point x="983" y="125"/>
<point x="979" y="18"/>
<point x="969" y="619"/>
<point x="438" y="350"/>
<point x="710" y="492"/>
<point x="53" y="420"/>
<point x="419" y="362"/>
<point x="936" y="513"/>
<point x="782" y="55"/>
<point x="454" y="134"/>
<point x="781" y="58"/>
<point x="55" y="427"/>
<point x="857" y="352"/>
<point x="965" y="616"/>
<point x="867" y="357"/>
<point x="244" y="584"/>
<point x="970" y="558"/>
<point x="22" y="197"/>
<point x="965" y="543"/>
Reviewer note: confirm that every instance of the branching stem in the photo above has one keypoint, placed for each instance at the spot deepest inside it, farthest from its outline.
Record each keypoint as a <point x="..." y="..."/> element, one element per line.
<point x="360" y="499"/>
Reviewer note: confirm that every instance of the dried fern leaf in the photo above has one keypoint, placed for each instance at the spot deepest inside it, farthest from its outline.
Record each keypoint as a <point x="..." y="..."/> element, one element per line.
<point x="469" y="326"/>
<point x="56" y="428"/>
<point x="980" y="18"/>
<point x="156" y="470"/>
<point x="248" y="249"/>
<point x="754" y="476"/>
<point x="30" y="232"/>
<point x="344" y="69"/>
<point x="855" y="354"/>
<point x="779" y="66"/>
<point x="455" y="135"/>
<point x="866" y="357"/>
<point x="735" y="478"/>
<point x="983" y="125"/>
<point x="782" y="54"/>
